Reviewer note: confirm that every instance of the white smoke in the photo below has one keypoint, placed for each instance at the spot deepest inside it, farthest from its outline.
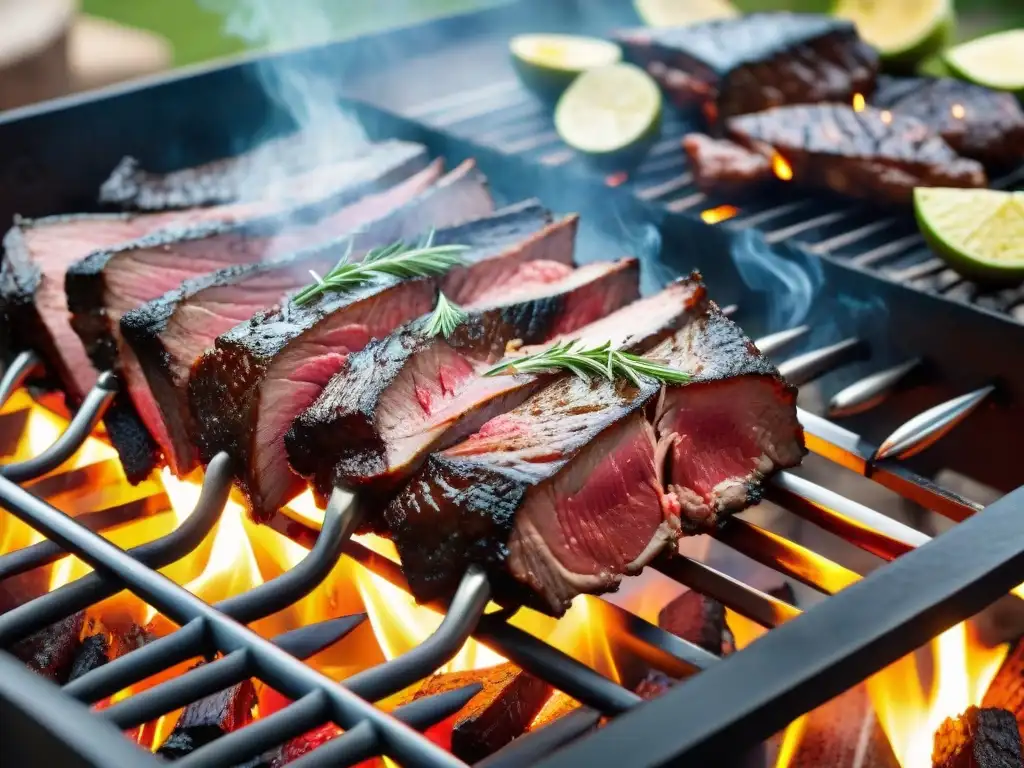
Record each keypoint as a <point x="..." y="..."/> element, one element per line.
<point x="310" y="98"/>
<point x="787" y="284"/>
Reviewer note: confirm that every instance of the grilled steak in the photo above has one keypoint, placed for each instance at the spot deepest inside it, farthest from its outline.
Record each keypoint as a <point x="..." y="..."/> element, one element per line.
<point x="976" y="121"/>
<point x="108" y="283"/>
<point x="268" y="167"/>
<point x="37" y="253"/>
<point x="566" y="493"/>
<point x="246" y="393"/>
<point x="390" y="405"/>
<point x="168" y="334"/>
<point x="724" y="167"/>
<point x="731" y="67"/>
<point x="869" y="154"/>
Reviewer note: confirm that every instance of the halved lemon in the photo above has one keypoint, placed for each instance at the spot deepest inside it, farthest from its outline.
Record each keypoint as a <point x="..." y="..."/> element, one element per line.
<point x="979" y="232"/>
<point x="676" y="13"/>
<point x="905" y="32"/>
<point x="995" y="61"/>
<point x="610" y="111"/>
<point x="547" y="64"/>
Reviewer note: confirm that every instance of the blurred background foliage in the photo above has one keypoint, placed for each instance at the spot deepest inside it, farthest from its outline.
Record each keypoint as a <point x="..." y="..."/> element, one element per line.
<point x="196" y="32"/>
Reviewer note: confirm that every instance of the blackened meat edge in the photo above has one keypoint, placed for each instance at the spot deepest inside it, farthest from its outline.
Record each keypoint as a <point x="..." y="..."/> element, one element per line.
<point x="588" y="481"/>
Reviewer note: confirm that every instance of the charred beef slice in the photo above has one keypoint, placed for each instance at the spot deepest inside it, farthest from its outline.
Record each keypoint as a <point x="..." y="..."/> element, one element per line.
<point x="385" y="458"/>
<point x="724" y="167"/>
<point x="110" y="282"/>
<point x="245" y="394"/>
<point x="267" y="167"/>
<point x="37" y="254"/>
<point x="731" y="67"/>
<point x="168" y="334"/>
<point x="869" y="154"/>
<point x="392" y="401"/>
<point x="589" y="480"/>
<point x="976" y="121"/>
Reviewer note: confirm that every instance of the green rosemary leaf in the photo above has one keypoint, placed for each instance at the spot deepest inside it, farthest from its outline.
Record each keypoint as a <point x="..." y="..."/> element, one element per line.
<point x="397" y="260"/>
<point x="445" y="318"/>
<point x="601" y="361"/>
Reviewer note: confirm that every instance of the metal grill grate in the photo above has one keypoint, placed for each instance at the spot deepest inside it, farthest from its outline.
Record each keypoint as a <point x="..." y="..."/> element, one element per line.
<point x="79" y="736"/>
<point x="505" y="117"/>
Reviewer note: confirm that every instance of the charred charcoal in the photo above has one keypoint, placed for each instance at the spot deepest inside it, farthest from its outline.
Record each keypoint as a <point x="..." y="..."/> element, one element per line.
<point x="979" y="738"/>
<point x="210" y="718"/>
<point x="653" y="685"/>
<point x="1007" y="688"/>
<point x="93" y="654"/>
<point x="503" y="710"/>
<point x="307" y="742"/>
<point x="841" y="731"/>
<point x="700" y="620"/>
<point x="51" y="651"/>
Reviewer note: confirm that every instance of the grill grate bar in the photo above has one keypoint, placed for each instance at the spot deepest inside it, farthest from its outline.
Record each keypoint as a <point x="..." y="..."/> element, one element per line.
<point x="824" y="220"/>
<point x="461" y="98"/>
<point x="868" y="392"/>
<point x="926" y="428"/>
<point x="890" y="249"/>
<point x="23" y="366"/>
<point x="757" y="219"/>
<point x="672" y="185"/>
<point x="855" y="235"/>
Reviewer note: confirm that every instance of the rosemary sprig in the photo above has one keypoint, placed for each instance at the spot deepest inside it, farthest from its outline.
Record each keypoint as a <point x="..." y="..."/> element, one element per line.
<point x="445" y="318"/>
<point x="398" y="259"/>
<point x="603" y="361"/>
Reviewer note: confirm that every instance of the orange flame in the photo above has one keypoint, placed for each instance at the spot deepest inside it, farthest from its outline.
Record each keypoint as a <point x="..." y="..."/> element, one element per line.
<point x="859" y="102"/>
<point x="781" y="167"/>
<point x="719" y="214"/>
<point x="964" y="669"/>
<point x="791" y="742"/>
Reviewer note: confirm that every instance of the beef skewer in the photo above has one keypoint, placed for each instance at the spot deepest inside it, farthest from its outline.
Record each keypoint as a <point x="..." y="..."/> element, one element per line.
<point x="570" y="491"/>
<point x="110" y="282"/>
<point x="730" y="67"/>
<point x="245" y="393"/>
<point x="167" y="335"/>
<point x="37" y="254"/>
<point x="399" y="398"/>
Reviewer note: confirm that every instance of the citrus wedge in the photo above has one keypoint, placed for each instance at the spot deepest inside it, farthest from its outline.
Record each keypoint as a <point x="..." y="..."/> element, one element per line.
<point x="979" y="232"/>
<point x="548" y="63"/>
<point x="610" y="111"/>
<point x="905" y="32"/>
<point x="676" y="13"/>
<point x="995" y="61"/>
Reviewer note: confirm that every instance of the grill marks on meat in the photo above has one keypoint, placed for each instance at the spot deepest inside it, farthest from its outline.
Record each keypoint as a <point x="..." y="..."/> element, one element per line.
<point x="724" y="167"/>
<point x="868" y="154"/>
<point x="393" y="402"/>
<point x="108" y="283"/>
<point x="976" y="121"/>
<point x="585" y="481"/>
<point x="732" y="67"/>
<point x="168" y="334"/>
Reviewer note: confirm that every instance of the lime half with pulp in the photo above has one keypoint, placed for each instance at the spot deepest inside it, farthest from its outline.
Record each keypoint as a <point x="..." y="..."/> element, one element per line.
<point x="609" y="112"/>
<point x="996" y="61"/>
<point x="979" y="232"/>
<point x="904" y="32"/>
<point x="677" y="13"/>
<point x="548" y="63"/>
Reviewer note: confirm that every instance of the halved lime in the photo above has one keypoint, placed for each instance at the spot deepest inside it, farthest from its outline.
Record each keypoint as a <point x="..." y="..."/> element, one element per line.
<point x="905" y="32"/>
<point x="996" y="61"/>
<point x="610" y="111"/>
<point x="548" y="63"/>
<point x="676" y="13"/>
<point x="979" y="232"/>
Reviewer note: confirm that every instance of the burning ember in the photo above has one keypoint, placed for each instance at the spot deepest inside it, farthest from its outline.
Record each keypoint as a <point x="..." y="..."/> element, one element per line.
<point x="616" y="179"/>
<point x="910" y="712"/>
<point x="719" y="214"/>
<point x="859" y="102"/>
<point x="781" y="167"/>
<point x="958" y="111"/>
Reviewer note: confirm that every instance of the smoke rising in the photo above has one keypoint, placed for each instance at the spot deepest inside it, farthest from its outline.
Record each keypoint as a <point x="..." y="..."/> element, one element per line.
<point x="787" y="285"/>
<point x="310" y="98"/>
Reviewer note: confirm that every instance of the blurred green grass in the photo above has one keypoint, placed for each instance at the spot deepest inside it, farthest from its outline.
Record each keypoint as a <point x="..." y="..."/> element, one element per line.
<point x="196" y="33"/>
